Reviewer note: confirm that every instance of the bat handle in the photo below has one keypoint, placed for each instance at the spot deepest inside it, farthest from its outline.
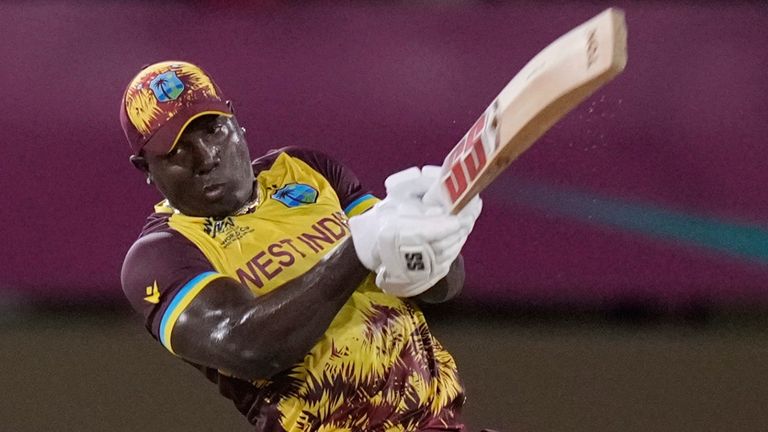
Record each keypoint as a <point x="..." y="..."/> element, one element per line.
<point x="436" y="195"/>
<point x="433" y="195"/>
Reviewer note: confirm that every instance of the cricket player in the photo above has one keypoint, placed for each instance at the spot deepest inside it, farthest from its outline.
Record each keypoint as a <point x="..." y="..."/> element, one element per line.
<point x="282" y="279"/>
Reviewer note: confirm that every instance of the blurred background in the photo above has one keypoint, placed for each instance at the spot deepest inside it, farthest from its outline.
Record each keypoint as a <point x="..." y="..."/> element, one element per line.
<point x="617" y="280"/>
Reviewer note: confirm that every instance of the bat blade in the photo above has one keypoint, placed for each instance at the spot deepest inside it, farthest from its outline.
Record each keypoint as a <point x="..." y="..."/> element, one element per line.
<point x="550" y="85"/>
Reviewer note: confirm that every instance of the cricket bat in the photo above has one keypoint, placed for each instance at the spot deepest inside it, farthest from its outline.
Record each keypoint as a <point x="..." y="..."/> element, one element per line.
<point x="555" y="81"/>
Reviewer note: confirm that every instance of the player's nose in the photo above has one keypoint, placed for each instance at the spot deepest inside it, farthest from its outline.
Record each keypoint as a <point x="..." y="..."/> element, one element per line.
<point x="206" y="156"/>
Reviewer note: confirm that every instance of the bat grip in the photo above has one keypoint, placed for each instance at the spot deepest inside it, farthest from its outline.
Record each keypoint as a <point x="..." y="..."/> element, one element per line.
<point x="433" y="196"/>
<point x="436" y="195"/>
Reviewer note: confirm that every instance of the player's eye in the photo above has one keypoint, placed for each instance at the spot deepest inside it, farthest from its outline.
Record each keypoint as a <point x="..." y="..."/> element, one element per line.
<point x="174" y="151"/>
<point x="218" y="130"/>
<point x="177" y="152"/>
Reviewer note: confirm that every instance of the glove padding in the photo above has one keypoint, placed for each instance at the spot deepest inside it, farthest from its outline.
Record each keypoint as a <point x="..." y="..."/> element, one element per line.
<point x="408" y="243"/>
<point x="416" y="249"/>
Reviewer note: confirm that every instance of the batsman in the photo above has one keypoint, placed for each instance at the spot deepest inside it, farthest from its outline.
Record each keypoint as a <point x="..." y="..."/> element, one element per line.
<point x="282" y="279"/>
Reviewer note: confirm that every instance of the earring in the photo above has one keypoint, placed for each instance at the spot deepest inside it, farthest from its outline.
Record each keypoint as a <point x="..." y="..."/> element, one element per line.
<point x="149" y="180"/>
<point x="242" y="128"/>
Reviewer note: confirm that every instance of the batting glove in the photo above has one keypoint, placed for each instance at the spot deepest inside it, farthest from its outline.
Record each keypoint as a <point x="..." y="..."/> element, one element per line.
<point x="409" y="244"/>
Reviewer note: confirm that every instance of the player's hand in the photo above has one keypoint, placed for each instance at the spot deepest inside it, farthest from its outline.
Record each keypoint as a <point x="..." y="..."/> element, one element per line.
<point x="413" y="183"/>
<point x="417" y="249"/>
<point x="397" y="275"/>
<point x="408" y="243"/>
<point x="470" y="212"/>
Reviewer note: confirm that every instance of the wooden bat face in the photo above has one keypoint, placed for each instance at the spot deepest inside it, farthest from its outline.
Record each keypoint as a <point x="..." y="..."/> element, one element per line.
<point x="555" y="81"/>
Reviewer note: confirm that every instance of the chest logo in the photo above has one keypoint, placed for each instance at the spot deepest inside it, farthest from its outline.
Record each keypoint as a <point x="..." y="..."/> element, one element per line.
<point x="296" y="194"/>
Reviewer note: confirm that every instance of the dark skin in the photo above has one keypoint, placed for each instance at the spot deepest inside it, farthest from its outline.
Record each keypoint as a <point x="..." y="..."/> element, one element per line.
<point x="209" y="174"/>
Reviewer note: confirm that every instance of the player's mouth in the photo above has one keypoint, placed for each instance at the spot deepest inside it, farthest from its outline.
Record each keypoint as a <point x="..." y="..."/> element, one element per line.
<point x="214" y="191"/>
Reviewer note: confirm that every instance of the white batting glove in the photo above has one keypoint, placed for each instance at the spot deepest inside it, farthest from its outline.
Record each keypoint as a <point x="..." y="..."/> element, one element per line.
<point x="365" y="227"/>
<point x="470" y="212"/>
<point x="409" y="244"/>
<point x="417" y="250"/>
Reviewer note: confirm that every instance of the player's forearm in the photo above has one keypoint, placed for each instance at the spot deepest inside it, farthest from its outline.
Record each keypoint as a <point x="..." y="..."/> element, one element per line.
<point x="448" y="287"/>
<point x="264" y="335"/>
<point x="291" y="319"/>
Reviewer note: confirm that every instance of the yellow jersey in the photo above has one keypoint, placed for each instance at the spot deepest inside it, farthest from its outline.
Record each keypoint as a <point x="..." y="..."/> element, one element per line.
<point x="376" y="368"/>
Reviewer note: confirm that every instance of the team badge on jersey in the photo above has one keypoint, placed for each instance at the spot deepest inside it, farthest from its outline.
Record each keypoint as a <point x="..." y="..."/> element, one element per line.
<point x="296" y="194"/>
<point x="166" y="87"/>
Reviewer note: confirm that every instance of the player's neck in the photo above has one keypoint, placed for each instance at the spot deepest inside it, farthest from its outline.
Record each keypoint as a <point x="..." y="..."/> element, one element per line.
<point x="253" y="201"/>
<point x="249" y="206"/>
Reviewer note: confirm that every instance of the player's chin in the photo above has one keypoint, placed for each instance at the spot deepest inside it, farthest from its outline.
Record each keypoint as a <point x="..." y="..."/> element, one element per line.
<point x="214" y="205"/>
<point x="216" y="210"/>
<point x="216" y="199"/>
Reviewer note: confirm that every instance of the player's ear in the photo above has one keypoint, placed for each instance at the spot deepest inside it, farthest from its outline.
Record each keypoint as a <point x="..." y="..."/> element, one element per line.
<point x="140" y="163"/>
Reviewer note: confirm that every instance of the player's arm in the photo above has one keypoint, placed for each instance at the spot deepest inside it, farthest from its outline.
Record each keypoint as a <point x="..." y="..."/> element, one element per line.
<point x="418" y="251"/>
<point x="355" y="200"/>
<point x="209" y="319"/>
<point x="227" y="327"/>
<point x="448" y="287"/>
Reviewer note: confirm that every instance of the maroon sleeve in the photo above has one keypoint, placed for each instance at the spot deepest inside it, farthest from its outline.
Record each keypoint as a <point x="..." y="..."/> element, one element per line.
<point x="156" y="267"/>
<point x="341" y="178"/>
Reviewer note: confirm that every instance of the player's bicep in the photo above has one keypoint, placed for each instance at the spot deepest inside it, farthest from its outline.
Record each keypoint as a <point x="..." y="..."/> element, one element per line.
<point x="161" y="273"/>
<point x="198" y="327"/>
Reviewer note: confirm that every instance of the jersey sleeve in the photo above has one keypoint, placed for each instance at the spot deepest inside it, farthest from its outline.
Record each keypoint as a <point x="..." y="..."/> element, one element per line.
<point x="162" y="273"/>
<point x="354" y="198"/>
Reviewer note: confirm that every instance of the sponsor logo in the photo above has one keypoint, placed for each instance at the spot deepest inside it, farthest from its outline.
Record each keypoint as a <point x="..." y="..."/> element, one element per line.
<point x="414" y="261"/>
<point x="153" y="293"/>
<point x="296" y="194"/>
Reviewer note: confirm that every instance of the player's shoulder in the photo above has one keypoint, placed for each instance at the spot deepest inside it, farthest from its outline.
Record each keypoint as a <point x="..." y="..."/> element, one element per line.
<point x="342" y="179"/>
<point x="304" y="153"/>
<point x="156" y="267"/>
<point x="158" y="236"/>
<point x="157" y="221"/>
<point x="163" y="253"/>
<point x="312" y="157"/>
<point x="157" y="242"/>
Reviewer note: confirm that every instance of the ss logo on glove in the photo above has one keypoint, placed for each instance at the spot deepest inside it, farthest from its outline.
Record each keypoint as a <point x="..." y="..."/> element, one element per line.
<point x="414" y="261"/>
